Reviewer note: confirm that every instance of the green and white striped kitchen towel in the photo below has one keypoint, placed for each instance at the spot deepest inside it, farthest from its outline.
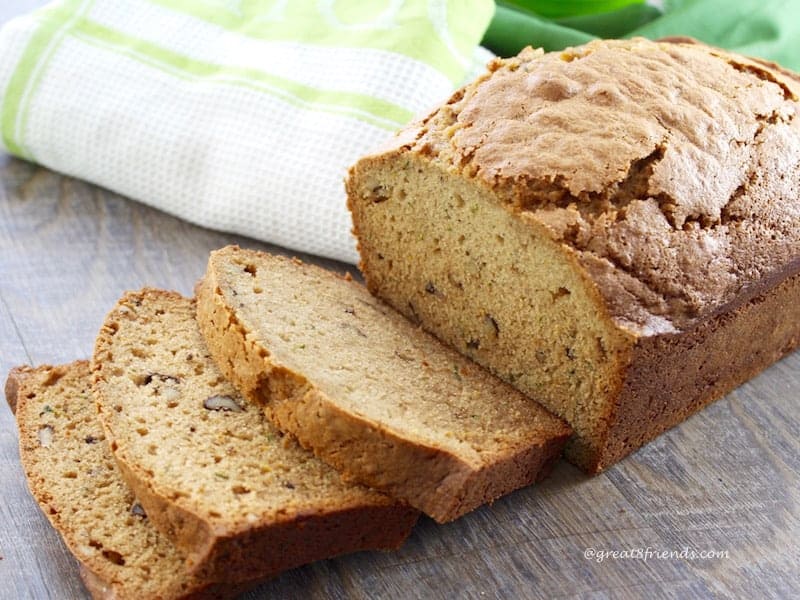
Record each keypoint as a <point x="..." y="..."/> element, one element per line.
<point x="240" y="115"/>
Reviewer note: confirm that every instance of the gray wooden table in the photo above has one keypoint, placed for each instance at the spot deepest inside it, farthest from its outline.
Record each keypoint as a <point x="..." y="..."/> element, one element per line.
<point x="726" y="482"/>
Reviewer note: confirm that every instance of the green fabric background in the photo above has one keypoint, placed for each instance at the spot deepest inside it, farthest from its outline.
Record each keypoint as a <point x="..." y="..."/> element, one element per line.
<point x="769" y="29"/>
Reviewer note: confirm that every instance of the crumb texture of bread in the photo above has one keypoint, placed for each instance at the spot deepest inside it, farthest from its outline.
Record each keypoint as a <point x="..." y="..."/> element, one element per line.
<point x="573" y="217"/>
<point x="372" y="394"/>
<point x="72" y="475"/>
<point x="216" y="477"/>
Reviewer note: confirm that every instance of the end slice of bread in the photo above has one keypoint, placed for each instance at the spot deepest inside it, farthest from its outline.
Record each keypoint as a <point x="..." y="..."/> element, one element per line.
<point x="211" y="471"/>
<point x="373" y="395"/>
<point x="72" y="475"/>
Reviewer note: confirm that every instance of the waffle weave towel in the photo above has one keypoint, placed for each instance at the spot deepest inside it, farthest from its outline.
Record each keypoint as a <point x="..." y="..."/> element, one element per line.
<point x="239" y="115"/>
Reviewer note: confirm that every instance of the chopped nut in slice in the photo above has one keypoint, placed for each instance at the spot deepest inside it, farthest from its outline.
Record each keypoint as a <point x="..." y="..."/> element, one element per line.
<point x="45" y="436"/>
<point x="224" y="403"/>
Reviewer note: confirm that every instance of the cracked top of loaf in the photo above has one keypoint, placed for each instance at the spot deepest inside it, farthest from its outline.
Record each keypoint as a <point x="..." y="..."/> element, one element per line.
<point x="671" y="169"/>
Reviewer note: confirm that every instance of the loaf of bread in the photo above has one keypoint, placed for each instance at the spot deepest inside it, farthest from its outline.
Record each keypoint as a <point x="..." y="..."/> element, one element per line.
<point x="238" y="498"/>
<point x="613" y="229"/>
<point x="73" y="477"/>
<point x="375" y="396"/>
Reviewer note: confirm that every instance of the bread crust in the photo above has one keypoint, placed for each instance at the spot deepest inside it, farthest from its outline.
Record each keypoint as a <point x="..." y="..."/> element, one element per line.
<point x="674" y="375"/>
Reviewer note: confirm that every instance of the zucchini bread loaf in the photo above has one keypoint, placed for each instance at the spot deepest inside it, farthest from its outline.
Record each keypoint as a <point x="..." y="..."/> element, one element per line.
<point x="614" y="229"/>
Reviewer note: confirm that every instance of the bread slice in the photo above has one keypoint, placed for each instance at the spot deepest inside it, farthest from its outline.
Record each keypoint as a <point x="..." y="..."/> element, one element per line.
<point x="211" y="472"/>
<point x="613" y="229"/>
<point x="370" y="393"/>
<point x="73" y="477"/>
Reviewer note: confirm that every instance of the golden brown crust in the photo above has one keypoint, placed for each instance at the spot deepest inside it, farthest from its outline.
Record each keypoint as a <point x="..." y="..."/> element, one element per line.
<point x="328" y="520"/>
<point x="673" y="376"/>
<point x="442" y="484"/>
<point x="15" y="377"/>
<point x="662" y="164"/>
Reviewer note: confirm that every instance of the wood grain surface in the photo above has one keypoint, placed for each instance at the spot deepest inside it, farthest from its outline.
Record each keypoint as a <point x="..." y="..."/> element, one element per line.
<point x="726" y="481"/>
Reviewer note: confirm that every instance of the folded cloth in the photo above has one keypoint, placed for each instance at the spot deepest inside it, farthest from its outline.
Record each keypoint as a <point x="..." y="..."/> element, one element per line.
<point x="239" y="115"/>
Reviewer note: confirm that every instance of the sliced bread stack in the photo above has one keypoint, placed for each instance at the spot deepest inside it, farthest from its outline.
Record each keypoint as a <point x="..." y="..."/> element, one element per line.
<point x="166" y="481"/>
<point x="204" y="497"/>
<point x="232" y="493"/>
<point x="73" y="476"/>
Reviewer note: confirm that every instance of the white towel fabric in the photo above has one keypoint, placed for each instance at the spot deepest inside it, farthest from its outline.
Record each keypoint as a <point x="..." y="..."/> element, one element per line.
<point x="239" y="115"/>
